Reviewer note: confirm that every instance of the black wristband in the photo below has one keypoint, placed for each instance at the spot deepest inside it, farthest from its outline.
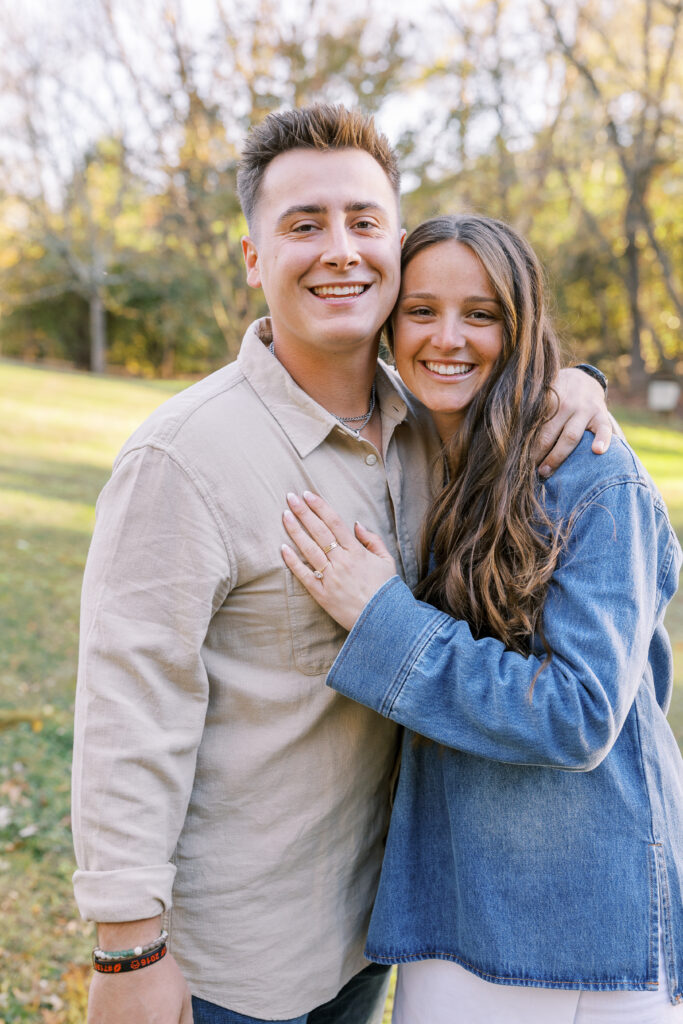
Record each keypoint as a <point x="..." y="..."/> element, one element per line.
<point x="131" y="963"/>
<point x="596" y="374"/>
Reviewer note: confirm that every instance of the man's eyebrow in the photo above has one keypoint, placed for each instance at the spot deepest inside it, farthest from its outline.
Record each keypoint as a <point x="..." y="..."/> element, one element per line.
<point x="357" y="206"/>
<point x="301" y="208"/>
<point x="363" y="204"/>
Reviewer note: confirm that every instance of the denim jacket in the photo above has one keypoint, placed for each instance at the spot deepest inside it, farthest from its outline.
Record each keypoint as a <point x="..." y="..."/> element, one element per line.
<point x="539" y="840"/>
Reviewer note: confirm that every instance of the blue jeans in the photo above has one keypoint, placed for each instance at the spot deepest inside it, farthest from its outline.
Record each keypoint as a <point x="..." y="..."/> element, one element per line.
<point x="361" y="1001"/>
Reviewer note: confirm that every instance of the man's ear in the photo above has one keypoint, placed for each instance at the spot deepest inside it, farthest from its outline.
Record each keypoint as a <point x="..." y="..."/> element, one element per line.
<point x="251" y="262"/>
<point x="404" y="235"/>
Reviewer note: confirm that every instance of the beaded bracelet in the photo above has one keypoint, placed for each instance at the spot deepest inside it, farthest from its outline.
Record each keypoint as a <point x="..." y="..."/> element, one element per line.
<point x="124" y="954"/>
<point x="132" y="963"/>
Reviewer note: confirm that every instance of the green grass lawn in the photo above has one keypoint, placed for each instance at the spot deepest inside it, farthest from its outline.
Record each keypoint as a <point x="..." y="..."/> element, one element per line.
<point x="59" y="434"/>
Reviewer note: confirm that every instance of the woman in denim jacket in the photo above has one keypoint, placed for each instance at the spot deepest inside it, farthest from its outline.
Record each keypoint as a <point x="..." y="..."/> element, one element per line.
<point x="536" y="839"/>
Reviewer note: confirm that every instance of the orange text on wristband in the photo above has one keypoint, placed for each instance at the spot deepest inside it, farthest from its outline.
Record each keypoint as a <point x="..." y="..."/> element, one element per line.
<point x="134" y="963"/>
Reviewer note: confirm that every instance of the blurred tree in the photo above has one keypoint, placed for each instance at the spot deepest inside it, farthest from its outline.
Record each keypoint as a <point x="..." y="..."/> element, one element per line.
<point x="254" y="60"/>
<point x="87" y="246"/>
<point x="618" y="157"/>
<point x="73" y="199"/>
<point x="564" y="120"/>
<point x="120" y="211"/>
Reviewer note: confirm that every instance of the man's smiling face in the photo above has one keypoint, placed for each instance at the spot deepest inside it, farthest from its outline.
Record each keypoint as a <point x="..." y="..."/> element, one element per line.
<point x="325" y="248"/>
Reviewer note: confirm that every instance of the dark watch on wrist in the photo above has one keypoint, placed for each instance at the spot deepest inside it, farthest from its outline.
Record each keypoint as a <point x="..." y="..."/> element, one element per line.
<point x="596" y="374"/>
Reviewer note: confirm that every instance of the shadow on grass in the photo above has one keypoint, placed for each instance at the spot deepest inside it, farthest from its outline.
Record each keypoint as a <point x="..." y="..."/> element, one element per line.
<point x="66" y="481"/>
<point x="40" y="577"/>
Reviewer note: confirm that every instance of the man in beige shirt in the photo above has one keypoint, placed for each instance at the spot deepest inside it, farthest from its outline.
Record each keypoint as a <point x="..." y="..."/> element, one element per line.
<point x="217" y="781"/>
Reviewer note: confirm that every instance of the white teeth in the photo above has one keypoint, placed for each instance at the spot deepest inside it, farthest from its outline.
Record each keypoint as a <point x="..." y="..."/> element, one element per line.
<point x="339" y="289"/>
<point x="449" y="369"/>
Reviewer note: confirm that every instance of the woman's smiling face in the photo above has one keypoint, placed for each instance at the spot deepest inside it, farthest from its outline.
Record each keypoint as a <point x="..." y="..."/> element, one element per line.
<point x="448" y="330"/>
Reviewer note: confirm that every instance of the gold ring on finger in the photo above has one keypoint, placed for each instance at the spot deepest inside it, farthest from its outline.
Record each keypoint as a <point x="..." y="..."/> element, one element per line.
<point x="318" y="573"/>
<point x="330" y="547"/>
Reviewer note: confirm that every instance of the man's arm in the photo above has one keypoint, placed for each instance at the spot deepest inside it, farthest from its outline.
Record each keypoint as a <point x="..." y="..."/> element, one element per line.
<point x="156" y="995"/>
<point x="582" y="406"/>
<point x="157" y="571"/>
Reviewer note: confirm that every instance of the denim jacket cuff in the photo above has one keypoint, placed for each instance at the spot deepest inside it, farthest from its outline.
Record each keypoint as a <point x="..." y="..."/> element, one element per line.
<point x="382" y="646"/>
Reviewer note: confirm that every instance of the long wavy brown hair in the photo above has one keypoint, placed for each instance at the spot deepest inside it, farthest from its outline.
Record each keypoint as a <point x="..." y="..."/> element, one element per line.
<point x="489" y="547"/>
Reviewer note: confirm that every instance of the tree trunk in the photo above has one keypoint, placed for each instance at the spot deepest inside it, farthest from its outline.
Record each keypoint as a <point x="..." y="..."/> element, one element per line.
<point x="98" y="334"/>
<point x="167" y="368"/>
<point x="637" y="374"/>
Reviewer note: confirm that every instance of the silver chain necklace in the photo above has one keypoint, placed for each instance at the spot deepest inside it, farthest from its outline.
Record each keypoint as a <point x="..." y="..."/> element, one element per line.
<point x="348" y="420"/>
<point x="361" y="420"/>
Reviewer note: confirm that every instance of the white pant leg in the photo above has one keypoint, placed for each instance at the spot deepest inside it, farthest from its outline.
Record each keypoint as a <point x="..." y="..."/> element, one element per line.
<point x="441" y="992"/>
<point x="627" y="1008"/>
<point x="631" y="1007"/>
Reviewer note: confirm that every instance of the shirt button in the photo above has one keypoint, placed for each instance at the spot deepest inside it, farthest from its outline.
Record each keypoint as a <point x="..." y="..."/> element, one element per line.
<point x="370" y="459"/>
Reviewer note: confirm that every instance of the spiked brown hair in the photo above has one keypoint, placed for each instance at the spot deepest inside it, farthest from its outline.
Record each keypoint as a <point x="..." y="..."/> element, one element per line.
<point x="322" y="126"/>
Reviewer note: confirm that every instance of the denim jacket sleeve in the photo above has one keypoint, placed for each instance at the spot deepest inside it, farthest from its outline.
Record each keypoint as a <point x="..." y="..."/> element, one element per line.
<point x="603" y="622"/>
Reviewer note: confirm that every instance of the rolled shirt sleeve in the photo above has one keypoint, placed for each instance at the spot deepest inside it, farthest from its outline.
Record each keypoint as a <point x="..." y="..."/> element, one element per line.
<point x="157" y="570"/>
<point x="602" y="619"/>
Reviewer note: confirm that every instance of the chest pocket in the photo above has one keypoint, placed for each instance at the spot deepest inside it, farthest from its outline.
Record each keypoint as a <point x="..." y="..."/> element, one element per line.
<point x="316" y="638"/>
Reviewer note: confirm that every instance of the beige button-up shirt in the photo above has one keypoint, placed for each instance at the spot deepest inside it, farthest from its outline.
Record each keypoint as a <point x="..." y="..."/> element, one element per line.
<point x="216" y="777"/>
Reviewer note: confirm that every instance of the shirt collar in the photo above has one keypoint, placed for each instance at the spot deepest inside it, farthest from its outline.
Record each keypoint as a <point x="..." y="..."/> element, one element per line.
<point x="306" y="423"/>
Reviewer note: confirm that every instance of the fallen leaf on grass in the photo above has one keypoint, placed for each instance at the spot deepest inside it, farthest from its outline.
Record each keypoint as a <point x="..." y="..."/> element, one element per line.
<point x="15" y="790"/>
<point x="56" y="1004"/>
<point x="23" y="998"/>
<point x="76" y="981"/>
<point x="52" y="1017"/>
<point x="8" y="719"/>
